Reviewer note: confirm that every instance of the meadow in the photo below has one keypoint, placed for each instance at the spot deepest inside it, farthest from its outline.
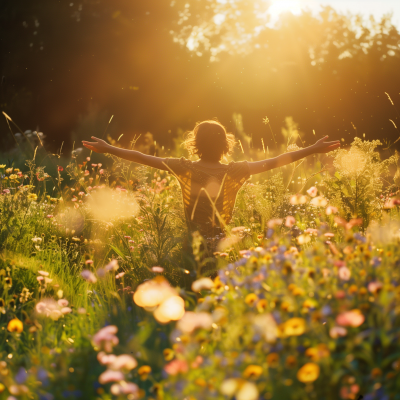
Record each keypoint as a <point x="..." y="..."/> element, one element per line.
<point x="102" y="295"/>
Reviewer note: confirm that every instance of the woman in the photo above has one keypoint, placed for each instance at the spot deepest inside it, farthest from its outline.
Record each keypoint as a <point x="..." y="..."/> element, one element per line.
<point x="209" y="187"/>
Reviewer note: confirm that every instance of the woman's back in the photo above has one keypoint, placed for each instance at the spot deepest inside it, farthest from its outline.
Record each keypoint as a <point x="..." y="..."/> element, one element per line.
<point x="209" y="193"/>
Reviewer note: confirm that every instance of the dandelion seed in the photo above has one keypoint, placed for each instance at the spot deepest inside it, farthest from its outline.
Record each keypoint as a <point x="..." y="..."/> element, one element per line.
<point x="9" y="118"/>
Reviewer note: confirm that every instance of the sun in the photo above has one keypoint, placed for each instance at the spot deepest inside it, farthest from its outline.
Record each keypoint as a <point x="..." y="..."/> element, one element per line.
<point x="278" y="7"/>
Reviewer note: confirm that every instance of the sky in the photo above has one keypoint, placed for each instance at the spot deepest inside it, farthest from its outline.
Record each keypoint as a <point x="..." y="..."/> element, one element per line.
<point x="377" y="8"/>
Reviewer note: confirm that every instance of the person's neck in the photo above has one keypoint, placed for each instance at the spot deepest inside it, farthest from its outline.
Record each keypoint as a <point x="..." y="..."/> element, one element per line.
<point x="209" y="163"/>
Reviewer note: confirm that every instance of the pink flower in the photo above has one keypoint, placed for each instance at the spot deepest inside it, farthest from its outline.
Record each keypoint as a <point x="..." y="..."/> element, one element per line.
<point x="99" y="165"/>
<point x="81" y="193"/>
<point x="344" y="273"/>
<point x="63" y="302"/>
<point x="49" y="216"/>
<point x="124" y="362"/>
<point x="176" y="366"/>
<point x="86" y="172"/>
<point x="88" y="276"/>
<point x="66" y="310"/>
<point x="44" y="273"/>
<point x="353" y="318"/>
<point x="340" y="294"/>
<point x="312" y="191"/>
<point x="106" y="337"/>
<point x="101" y="172"/>
<point x="197" y="362"/>
<point x="120" y="275"/>
<point x="60" y="169"/>
<point x="6" y="191"/>
<point x="375" y="287"/>
<point x="110" y="376"/>
<point x="94" y="165"/>
<point x="157" y="269"/>
<point x="87" y="158"/>
<point x="125" y="388"/>
<point x="40" y="278"/>
<point x="290" y="221"/>
<point x="337" y="331"/>
<point x="112" y="266"/>
<point x="89" y="262"/>
<point x="311" y="231"/>
<point x="105" y="359"/>
<point x="331" y="210"/>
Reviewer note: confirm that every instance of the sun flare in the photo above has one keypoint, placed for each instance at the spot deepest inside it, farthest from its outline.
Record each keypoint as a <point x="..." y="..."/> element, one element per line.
<point x="280" y="6"/>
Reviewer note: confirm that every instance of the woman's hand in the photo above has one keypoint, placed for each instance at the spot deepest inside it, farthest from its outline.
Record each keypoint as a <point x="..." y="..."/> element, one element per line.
<point x="99" y="146"/>
<point x="325" y="147"/>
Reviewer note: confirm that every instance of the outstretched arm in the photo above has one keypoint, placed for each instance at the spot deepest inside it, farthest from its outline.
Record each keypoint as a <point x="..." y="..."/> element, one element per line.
<point x="319" y="147"/>
<point x="101" y="146"/>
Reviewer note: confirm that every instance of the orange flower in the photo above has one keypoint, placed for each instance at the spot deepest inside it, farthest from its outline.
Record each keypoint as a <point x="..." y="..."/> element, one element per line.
<point x="294" y="327"/>
<point x="15" y="325"/>
<point x="252" y="371"/>
<point x="291" y="361"/>
<point x="251" y="299"/>
<point x="308" y="373"/>
<point x="261" y="305"/>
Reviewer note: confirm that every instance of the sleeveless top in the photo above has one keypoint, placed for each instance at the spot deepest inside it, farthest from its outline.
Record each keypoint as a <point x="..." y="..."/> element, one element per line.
<point x="209" y="194"/>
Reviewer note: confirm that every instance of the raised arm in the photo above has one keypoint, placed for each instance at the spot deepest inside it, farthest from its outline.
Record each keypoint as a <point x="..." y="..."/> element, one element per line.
<point x="101" y="146"/>
<point x="320" y="146"/>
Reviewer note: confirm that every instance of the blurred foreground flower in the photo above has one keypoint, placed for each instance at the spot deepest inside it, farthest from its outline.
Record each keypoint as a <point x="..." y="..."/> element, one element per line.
<point x="353" y="318"/>
<point x="308" y="373"/>
<point x="15" y="325"/>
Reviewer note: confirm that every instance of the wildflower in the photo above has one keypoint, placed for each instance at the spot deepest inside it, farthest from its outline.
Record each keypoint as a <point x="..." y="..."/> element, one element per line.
<point x="105" y="359"/>
<point x="60" y="169"/>
<point x="110" y="376"/>
<point x="9" y="170"/>
<point x="88" y="276"/>
<point x="43" y="273"/>
<point x="176" y="367"/>
<point x="294" y="327"/>
<point x="229" y="387"/>
<point x="157" y="269"/>
<point x="375" y="287"/>
<point x="88" y="261"/>
<point x="106" y="338"/>
<point x="112" y="266"/>
<point x="63" y="302"/>
<point x="352" y="318"/>
<point x="168" y="354"/>
<point x="152" y="293"/>
<point x="252" y="371"/>
<point x="312" y="191"/>
<point x="290" y="221"/>
<point x="125" y="388"/>
<point x="2" y="165"/>
<point x="123" y="362"/>
<point x="171" y="309"/>
<point x="6" y="191"/>
<point x="15" y="325"/>
<point x="202" y="284"/>
<point x="337" y="331"/>
<point x="311" y="231"/>
<point x="248" y="391"/>
<point x="144" y="371"/>
<point x="86" y="173"/>
<point x="318" y="202"/>
<point x="303" y="239"/>
<point x="261" y="305"/>
<point x="265" y="324"/>
<point x="66" y="310"/>
<point x="32" y="197"/>
<point x="194" y="320"/>
<point x="308" y="373"/>
<point x="316" y="353"/>
<point x="120" y="275"/>
<point x="291" y="361"/>
<point x="331" y="210"/>
<point x="344" y="273"/>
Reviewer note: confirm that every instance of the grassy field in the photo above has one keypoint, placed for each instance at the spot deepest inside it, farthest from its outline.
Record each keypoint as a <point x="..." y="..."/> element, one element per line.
<point x="102" y="298"/>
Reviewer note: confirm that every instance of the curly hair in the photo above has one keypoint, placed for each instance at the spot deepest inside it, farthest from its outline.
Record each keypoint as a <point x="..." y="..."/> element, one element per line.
<point x="209" y="140"/>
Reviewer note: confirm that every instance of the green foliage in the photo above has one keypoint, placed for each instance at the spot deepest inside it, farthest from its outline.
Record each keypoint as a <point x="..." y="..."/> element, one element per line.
<point x="358" y="181"/>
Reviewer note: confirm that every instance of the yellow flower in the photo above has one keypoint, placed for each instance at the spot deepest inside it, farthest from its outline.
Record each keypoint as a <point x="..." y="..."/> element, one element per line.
<point x="2" y="165"/>
<point x="251" y="299"/>
<point x="200" y="382"/>
<point x="294" y="327"/>
<point x="308" y="373"/>
<point x="261" y="305"/>
<point x="15" y="325"/>
<point x="13" y="177"/>
<point x="168" y="354"/>
<point x="9" y="170"/>
<point x="32" y="197"/>
<point x="252" y="371"/>
<point x="144" y="371"/>
<point x="298" y="291"/>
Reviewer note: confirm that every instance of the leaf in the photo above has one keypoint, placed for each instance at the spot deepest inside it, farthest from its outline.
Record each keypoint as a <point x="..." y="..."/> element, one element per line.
<point x="118" y="251"/>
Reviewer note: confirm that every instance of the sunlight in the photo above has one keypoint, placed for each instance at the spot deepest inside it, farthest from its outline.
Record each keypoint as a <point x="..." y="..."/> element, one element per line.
<point x="279" y="6"/>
